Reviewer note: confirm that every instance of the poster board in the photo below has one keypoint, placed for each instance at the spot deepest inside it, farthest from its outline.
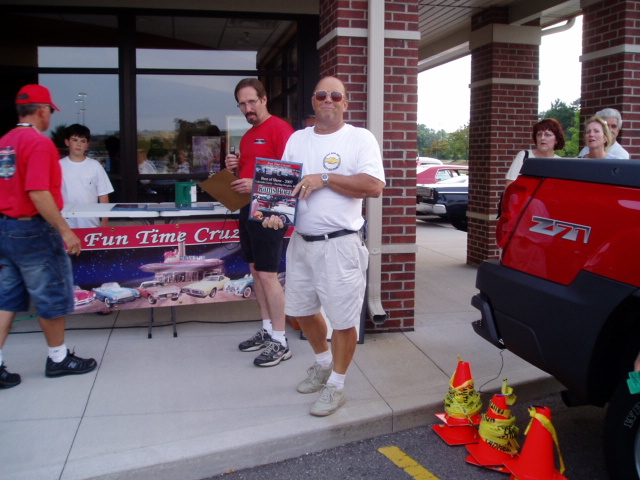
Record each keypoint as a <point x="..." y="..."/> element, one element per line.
<point x="142" y="266"/>
<point x="273" y="185"/>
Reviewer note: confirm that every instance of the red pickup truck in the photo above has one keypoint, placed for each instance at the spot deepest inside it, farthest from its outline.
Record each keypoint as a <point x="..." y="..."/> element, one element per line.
<point x="565" y="294"/>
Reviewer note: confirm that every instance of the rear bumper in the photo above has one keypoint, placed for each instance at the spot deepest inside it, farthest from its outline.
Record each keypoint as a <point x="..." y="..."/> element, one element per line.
<point x="554" y="327"/>
<point x="430" y="208"/>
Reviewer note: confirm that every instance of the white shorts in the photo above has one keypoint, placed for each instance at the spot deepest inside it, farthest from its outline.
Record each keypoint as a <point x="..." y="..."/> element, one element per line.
<point x="331" y="273"/>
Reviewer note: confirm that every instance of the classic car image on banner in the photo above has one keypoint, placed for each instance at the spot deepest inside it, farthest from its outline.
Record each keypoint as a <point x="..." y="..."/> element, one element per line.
<point x="162" y="265"/>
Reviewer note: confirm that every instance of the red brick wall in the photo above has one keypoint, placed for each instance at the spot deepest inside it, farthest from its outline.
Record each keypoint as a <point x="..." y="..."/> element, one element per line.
<point x="346" y="58"/>
<point x="613" y="80"/>
<point x="502" y="117"/>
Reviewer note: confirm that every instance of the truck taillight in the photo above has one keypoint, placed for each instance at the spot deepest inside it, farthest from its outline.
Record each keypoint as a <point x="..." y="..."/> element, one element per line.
<point x="515" y="199"/>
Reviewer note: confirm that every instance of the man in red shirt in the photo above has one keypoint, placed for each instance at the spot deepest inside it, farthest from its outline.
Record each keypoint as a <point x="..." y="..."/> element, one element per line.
<point x="33" y="260"/>
<point x="261" y="248"/>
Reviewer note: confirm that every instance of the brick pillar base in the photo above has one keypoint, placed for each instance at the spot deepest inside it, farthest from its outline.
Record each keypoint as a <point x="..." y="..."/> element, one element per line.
<point x="504" y="107"/>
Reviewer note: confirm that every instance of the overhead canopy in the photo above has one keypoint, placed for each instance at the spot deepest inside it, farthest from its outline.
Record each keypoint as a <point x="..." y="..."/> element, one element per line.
<point x="445" y="25"/>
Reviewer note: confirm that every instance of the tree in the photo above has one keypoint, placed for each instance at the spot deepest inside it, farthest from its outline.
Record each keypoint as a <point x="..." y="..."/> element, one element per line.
<point x="57" y="135"/>
<point x="459" y="142"/>
<point x="426" y="138"/>
<point x="572" y="138"/>
<point x="563" y="113"/>
<point x="439" y="149"/>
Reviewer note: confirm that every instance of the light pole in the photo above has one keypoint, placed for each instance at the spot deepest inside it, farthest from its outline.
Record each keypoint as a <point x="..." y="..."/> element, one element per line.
<point x="80" y="100"/>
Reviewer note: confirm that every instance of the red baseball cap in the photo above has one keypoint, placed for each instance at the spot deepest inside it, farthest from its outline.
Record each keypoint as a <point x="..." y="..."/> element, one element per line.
<point x="35" y="94"/>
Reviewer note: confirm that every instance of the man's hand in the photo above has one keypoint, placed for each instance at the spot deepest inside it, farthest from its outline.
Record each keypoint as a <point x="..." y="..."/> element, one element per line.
<point x="46" y="205"/>
<point x="273" y="221"/>
<point x="242" y="185"/>
<point x="231" y="162"/>
<point x="308" y="184"/>
<point x="73" y="243"/>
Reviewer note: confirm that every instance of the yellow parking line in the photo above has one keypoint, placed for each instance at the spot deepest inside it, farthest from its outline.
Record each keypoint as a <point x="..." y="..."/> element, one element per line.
<point x="404" y="461"/>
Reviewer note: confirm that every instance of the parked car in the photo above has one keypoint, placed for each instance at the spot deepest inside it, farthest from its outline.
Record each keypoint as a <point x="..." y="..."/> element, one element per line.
<point x="448" y="199"/>
<point x="242" y="287"/>
<point x="208" y="286"/>
<point x="111" y="293"/>
<point x="153" y="290"/>
<point x="427" y="174"/>
<point x="82" y="298"/>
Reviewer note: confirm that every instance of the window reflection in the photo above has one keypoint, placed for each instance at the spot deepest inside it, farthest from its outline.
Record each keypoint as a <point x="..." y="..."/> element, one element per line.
<point x="80" y="57"/>
<point x="185" y="131"/>
<point x="195" y="59"/>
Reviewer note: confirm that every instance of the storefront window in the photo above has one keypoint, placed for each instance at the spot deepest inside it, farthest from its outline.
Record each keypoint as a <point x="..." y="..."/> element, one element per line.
<point x="195" y="59"/>
<point x="182" y="121"/>
<point x="173" y="77"/>
<point x="78" y="57"/>
<point x="90" y="100"/>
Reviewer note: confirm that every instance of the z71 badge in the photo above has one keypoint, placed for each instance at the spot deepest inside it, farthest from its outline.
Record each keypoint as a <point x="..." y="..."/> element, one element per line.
<point x="553" y="228"/>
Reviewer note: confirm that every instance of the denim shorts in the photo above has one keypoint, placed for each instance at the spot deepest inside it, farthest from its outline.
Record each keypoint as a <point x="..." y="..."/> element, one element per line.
<point x="34" y="264"/>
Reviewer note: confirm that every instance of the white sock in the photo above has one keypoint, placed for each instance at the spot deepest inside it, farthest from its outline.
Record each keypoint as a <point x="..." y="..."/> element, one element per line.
<point x="267" y="325"/>
<point x="325" y="358"/>
<point x="337" y="380"/>
<point x="57" y="354"/>
<point x="279" y="336"/>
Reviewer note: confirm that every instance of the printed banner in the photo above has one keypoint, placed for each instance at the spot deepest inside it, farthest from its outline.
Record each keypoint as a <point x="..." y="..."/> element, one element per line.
<point x="162" y="265"/>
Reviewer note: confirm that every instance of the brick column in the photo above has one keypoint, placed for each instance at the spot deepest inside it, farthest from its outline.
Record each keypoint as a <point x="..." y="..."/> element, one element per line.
<point x="611" y="65"/>
<point x="343" y="49"/>
<point x="504" y="107"/>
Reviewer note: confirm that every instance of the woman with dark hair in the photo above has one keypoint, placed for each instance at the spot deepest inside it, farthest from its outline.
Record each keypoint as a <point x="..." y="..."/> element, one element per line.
<point x="548" y="136"/>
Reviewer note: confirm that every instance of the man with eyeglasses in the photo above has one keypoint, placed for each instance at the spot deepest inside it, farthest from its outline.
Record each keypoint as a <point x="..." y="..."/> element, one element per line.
<point x="327" y="259"/>
<point x="33" y="234"/>
<point x="261" y="249"/>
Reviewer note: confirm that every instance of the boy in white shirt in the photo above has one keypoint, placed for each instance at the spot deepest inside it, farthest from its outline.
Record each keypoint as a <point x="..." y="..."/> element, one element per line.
<point x="84" y="179"/>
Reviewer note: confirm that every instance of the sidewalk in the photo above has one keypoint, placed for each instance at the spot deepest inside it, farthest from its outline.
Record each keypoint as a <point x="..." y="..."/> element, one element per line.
<point x="190" y="407"/>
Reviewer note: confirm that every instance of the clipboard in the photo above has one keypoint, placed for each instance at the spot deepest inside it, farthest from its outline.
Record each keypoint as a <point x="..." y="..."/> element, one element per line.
<point x="219" y="187"/>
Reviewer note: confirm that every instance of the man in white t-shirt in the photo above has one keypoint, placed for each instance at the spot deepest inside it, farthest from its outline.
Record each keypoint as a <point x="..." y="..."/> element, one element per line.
<point x="614" y="120"/>
<point x="327" y="259"/>
<point x="84" y="179"/>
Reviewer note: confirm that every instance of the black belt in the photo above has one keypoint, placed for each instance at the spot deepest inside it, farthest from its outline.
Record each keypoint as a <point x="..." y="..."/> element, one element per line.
<point x="327" y="236"/>
<point x="35" y="217"/>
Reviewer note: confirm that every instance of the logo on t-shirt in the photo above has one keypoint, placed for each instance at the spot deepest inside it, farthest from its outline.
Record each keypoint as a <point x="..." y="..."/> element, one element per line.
<point x="259" y="141"/>
<point x="331" y="161"/>
<point x="7" y="162"/>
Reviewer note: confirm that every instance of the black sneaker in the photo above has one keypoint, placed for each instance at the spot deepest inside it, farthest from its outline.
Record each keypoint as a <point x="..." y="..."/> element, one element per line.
<point x="258" y="341"/>
<point x="8" y="380"/>
<point x="272" y="355"/>
<point x="71" y="365"/>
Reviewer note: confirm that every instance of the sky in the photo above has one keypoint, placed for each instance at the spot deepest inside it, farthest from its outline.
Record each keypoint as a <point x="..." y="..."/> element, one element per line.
<point x="559" y="79"/>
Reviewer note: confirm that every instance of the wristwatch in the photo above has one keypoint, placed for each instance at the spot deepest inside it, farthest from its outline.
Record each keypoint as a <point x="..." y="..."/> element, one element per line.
<point x="325" y="179"/>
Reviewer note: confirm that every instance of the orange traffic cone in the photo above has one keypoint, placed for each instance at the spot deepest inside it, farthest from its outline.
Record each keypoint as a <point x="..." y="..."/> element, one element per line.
<point x="498" y="433"/>
<point x="462" y="406"/>
<point x="536" y="461"/>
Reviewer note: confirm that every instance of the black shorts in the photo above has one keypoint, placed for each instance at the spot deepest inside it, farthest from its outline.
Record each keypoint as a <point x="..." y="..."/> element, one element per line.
<point x="260" y="246"/>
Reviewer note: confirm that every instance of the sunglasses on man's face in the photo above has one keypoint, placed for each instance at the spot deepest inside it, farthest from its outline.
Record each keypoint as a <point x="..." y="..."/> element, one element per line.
<point x="321" y="96"/>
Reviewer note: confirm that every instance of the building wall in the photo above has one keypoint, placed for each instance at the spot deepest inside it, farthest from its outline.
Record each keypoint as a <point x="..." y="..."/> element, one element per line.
<point x="504" y="107"/>
<point x="611" y="66"/>
<point x="343" y="24"/>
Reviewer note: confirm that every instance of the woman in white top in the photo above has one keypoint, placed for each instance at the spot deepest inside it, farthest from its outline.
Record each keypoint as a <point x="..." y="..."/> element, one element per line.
<point x="548" y="137"/>
<point x="598" y="138"/>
